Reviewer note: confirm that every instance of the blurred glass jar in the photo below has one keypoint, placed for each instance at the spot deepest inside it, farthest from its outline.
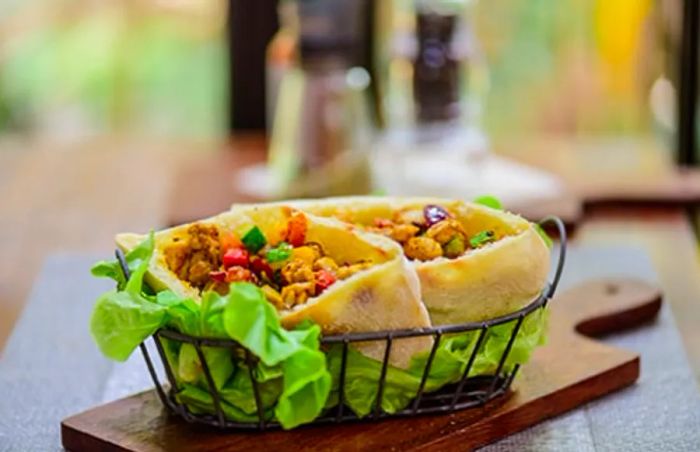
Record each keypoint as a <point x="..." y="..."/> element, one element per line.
<point x="320" y="135"/>
<point x="438" y="79"/>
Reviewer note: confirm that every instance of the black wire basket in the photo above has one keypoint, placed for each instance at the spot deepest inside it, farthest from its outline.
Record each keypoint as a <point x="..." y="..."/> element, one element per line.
<point x="468" y="392"/>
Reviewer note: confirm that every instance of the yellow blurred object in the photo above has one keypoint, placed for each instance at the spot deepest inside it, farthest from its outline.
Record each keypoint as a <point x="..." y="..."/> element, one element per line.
<point x="619" y="27"/>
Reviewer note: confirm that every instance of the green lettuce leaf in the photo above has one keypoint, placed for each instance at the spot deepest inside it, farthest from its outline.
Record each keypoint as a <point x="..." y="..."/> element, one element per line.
<point x="182" y="314"/>
<point x="249" y="319"/>
<point x="122" y="319"/>
<point x="307" y="382"/>
<point x="495" y="203"/>
<point x="109" y="269"/>
<point x="200" y="401"/>
<point x="190" y="368"/>
<point x="239" y="391"/>
<point x="254" y="323"/>
<point x="547" y="239"/>
<point x="289" y="368"/>
<point x="294" y="390"/>
<point x="489" y="201"/>
<point x="449" y="363"/>
<point x="136" y="260"/>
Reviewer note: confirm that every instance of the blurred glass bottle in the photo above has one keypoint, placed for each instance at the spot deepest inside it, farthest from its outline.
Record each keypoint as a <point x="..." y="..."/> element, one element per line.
<point x="437" y="82"/>
<point x="320" y="132"/>
<point x="282" y="55"/>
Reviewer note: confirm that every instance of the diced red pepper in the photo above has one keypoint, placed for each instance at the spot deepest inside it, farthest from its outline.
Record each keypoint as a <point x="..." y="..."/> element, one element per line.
<point x="236" y="256"/>
<point x="324" y="279"/>
<point x="218" y="276"/>
<point x="296" y="229"/>
<point x="261" y="267"/>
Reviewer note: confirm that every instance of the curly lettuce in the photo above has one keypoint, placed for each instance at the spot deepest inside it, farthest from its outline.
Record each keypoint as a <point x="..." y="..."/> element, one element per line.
<point x="448" y="365"/>
<point x="296" y="378"/>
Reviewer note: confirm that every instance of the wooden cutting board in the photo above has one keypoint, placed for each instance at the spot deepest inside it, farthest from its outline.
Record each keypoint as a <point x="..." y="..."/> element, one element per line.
<point x="568" y="372"/>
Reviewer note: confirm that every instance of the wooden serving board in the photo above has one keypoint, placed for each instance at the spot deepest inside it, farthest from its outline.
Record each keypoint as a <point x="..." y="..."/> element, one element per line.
<point x="568" y="372"/>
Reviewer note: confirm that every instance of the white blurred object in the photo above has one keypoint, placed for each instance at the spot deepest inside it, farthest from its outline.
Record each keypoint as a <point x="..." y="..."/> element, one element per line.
<point x="449" y="174"/>
<point x="419" y="174"/>
<point x="349" y="171"/>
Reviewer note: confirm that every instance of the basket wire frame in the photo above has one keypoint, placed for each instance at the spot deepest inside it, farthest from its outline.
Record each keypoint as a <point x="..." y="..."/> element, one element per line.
<point x="468" y="392"/>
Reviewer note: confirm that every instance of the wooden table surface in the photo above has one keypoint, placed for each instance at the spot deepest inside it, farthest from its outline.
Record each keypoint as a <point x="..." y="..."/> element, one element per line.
<point x="72" y="198"/>
<point x="76" y="197"/>
<point x="668" y="238"/>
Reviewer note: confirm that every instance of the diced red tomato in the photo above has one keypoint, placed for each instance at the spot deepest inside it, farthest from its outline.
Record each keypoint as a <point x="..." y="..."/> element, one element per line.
<point x="324" y="279"/>
<point x="236" y="256"/>
<point x="296" y="229"/>
<point x="261" y="267"/>
<point x="218" y="276"/>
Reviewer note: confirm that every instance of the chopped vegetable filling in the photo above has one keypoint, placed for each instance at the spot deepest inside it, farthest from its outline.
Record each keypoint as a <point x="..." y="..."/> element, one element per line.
<point x="429" y="233"/>
<point x="254" y="239"/>
<point x="279" y="253"/>
<point x="482" y="238"/>
<point x="289" y="272"/>
<point x="196" y="255"/>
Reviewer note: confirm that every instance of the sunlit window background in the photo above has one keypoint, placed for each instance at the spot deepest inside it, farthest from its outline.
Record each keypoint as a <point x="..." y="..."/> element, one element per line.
<point x="570" y="67"/>
<point x="579" y="66"/>
<point x="74" y="68"/>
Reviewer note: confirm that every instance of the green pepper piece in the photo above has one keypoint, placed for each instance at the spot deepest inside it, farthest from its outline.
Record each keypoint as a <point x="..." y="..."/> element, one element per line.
<point x="455" y="247"/>
<point x="481" y="238"/>
<point x="280" y="253"/>
<point x="254" y="239"/>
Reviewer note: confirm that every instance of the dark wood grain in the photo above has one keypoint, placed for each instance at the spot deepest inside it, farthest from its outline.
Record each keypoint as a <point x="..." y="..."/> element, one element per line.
<point x="571" y="370"/>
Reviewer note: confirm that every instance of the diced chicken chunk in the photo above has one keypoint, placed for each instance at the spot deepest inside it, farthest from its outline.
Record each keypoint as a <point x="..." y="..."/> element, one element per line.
<point x="422" y="249"/>
<point x="403" y="232"/>
<point x="297" y="293"/>
<point x="327" y="264"/>
<point x="409" y="216"/>
<point x="347" y="271"/>
<point x="273" y="296"/>
<point x="446" y="230"/>
<point x="195" y="255"/>
<point x="298" y="271"/>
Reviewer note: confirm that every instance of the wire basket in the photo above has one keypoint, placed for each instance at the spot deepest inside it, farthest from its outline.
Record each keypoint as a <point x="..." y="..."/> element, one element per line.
<point x="469" y="391"/>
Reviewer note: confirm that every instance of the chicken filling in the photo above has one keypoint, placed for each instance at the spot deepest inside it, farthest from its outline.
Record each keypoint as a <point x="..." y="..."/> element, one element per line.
<point x="429" y="233"/>
<point x="289" y="272"/>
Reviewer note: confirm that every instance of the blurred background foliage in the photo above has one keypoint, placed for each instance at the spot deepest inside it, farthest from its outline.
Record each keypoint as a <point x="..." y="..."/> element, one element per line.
<point x="579" y="66"/>
<point x="79" y="67"/>
<point x="158" y="67"/>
